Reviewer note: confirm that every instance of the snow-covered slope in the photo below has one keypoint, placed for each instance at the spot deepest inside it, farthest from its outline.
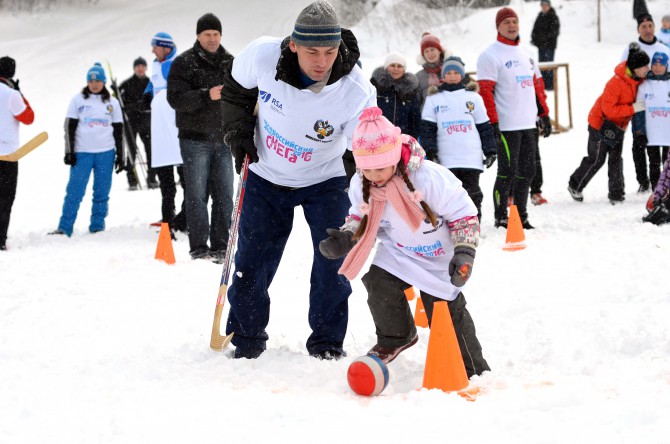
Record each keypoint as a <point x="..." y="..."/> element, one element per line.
<point x="99" y="342"/>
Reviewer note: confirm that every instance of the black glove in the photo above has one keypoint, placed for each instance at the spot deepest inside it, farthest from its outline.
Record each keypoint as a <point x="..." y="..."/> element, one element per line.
<point x="119" y="163"/>
<point x="659" y="215"/>
<point x="337" y="244"/>
<point x="70" y="159"/>
<point x="545" y="126"/>
<point x="490" y="159"/>
<point x="16" y="84"/>
<point x="460" y="267"/>
<point x="432" y="156"/>
<point x="497" y="135"/>
<point x="641" y="140"/>
<point x="240" y="147"/>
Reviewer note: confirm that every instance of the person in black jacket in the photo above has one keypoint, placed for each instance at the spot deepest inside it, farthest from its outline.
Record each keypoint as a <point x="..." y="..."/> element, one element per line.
<point x="138" y="110"/>
<point x="194" y="91"/>
<point x="544" y="36"/>
<point x="398" y="94"/>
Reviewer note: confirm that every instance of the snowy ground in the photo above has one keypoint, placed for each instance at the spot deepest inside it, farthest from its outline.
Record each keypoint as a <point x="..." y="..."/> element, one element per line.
<point x="99" y="342"/>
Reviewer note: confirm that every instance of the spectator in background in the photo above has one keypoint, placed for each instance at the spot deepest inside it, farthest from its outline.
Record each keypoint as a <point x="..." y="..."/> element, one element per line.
<point x="544" y="36"/>
<point x="398" y="94"/>
<point x="513" y="91"/>
<point x="165" y="152"/>
<point x="139" y="117"/>
<point x="663" y="34"/>
<point x="455" y="129"/>
<point x="648" y="42"/>
<point x="93" y="130"/>
<point x="14" y="109"/>
<point x="194" y="91"/>
<point x="431" y="59"/>
<point x="608" y="120"/>
<point x="652" y="126"/>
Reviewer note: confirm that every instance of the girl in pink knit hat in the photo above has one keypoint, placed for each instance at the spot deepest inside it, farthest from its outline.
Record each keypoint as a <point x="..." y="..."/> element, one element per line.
<point x="427" y="229"/>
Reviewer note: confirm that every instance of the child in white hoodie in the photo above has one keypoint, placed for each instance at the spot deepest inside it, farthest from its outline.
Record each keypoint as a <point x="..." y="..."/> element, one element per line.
<point x="455" y="129"/>
<point x="428" y="232"/>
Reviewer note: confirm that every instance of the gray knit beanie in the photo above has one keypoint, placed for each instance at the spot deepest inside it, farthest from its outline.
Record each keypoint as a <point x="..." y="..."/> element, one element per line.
<point x="317" y="26"/>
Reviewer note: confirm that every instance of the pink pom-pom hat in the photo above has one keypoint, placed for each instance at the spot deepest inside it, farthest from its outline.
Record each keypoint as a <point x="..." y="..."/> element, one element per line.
<point x="377" y="143"/>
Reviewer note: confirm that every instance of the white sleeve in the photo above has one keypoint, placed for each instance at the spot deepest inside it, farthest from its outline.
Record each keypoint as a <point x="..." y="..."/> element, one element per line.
<point x="117" y="116"/>
<point x="479" y="113"/>
<point x="624" y="55"/>
<point x="72" y="111"/>
<point x="245" y="65"/>
<point x="428" y="112"/>
<point x="486" y="67"/>
<point x="350" y="125"/>
<point x="16" y="103"/>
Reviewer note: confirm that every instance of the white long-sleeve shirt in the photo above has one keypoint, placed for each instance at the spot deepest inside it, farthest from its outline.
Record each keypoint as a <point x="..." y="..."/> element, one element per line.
<point x="301" y="135"/>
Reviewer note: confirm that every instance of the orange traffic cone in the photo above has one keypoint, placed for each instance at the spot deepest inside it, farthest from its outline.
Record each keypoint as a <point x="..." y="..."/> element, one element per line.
<point x="444" y="364"/>
<point x="515" y="237"/>
<point x="410" y="294"/>
<point x="164" y="251"/>
<point x="420" y="318"/>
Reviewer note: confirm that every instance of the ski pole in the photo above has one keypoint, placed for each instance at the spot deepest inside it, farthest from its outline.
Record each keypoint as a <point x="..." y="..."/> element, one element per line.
<point x="219" y="342"/>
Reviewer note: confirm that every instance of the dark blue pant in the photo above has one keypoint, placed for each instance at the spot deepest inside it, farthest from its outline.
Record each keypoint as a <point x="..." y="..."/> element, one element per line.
<point x="102" y="165"/>
<point x="208" y="168"/>
<point x="547" y="55"/>
<point x="265" y="225"/>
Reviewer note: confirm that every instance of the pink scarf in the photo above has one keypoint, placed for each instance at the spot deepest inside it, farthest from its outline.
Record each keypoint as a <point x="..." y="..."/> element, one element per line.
<point x="396" y="193"/>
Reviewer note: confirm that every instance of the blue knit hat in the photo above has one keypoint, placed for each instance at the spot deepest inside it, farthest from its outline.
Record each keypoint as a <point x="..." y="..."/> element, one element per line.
<point x="453" y="63"/>
<point x="164" y="40"/>
<point x="96" y="73"/>
<point x="660" y="57"/>
<point x="317" y="26"/>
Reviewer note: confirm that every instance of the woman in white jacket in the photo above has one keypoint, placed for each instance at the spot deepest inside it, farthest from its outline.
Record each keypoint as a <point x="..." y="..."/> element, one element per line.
<point x="428" y="232"/>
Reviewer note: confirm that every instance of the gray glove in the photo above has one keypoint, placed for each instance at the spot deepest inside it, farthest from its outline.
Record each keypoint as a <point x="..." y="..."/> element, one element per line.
<point x="337" y="244"/>
<point x="460" y="267"/>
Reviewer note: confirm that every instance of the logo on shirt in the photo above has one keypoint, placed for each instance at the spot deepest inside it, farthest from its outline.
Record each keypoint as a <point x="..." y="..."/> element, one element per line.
<point x="433" y="250"/>
<point x="275" y="105"/>
<point x="441" y="109"/>
<point x="470" y="106"/>
<point x="512" y="64"/>
<point x="524" y="81"/>
<point x="110" y="109"/>
<point x="323" y="129"/>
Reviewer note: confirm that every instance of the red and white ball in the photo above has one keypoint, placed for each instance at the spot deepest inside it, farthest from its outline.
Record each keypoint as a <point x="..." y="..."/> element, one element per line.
<point x="368" y="376"/>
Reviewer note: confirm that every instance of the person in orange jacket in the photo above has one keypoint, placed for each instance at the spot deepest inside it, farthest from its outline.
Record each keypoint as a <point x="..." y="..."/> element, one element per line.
<point x="608" y="120"/>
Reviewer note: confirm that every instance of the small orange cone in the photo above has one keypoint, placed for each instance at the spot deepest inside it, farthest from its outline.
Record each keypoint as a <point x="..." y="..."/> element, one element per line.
<point x="164" y="251"/>
<point x="444" y="364"/>
<point x="420" y="318"/>
<point x="410" y="294"/>
<point x="515" y="237"/>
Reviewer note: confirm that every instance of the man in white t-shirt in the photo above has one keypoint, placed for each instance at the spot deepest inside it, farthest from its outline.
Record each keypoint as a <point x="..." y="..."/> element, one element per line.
<point x="512" y="87"/>
<point x="14" y="109"/>
<point x="310" y="94"/>
<point x="649" y="44"/>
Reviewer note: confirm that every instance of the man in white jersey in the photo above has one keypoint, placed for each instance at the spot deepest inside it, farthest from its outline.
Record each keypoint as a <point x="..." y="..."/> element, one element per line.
<point x="14" y="109"/>
<point x="512" y="87"/>
<point x="649" y="44"/>
<point x="309" y="93"/>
